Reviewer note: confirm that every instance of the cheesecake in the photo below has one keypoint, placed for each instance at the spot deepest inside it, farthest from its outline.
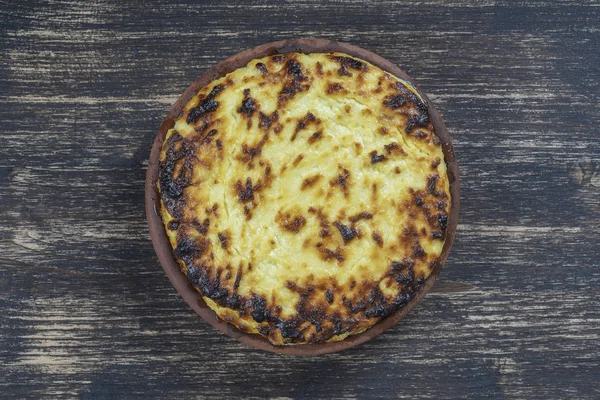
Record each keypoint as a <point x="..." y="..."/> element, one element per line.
<point x="306" y="196"/>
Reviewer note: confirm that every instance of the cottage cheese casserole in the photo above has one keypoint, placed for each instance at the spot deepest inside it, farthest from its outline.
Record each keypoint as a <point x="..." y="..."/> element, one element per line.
<point x="305" y="196"/>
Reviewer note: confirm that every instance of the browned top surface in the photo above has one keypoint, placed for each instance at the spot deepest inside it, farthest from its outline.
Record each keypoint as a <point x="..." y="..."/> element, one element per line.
<point x="307" y="195"/>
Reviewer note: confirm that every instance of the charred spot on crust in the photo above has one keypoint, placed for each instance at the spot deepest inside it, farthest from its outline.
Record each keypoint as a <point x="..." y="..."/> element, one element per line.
<point x="249" y="152"/>
<point x="406" y="276"/>
<point x="342" y="180"/>
<point x="314" y="137"/>
<point x="224" y="239"/>
<point x="437" y="235"/>
<point x="443" y="221"/>
<point x="306" y="312"/>
<point x="319" y="68"/>
<point x="245" y="193"/>
<point x="206" y="105"/>
<point x="297" y="159"/>
<point x="188" y="249"/>
<point x="403" y="270"/>
<point x="173" y="225"/>
<point x="208" y="138"/>
<point x="324" y="224"/>
<point x="264" y="330"/>
<point x="359" y="306"/>
<point x="416" y="121"/>
<point x="310" y="181"/>
<point x="405" y="263"/>
<point x="209" y="287"/>
<point x="262" y="68"/>
<point x="175" y="206"/>
<point x="419" y="134"/>
<point x="291" y="224"/>
<point x="377" y="303"/>
<point x="419" y="200"/>
<point x="329" y="254"/>
<point x="289" y="330"/>
<point x="435" y="163"/>
<point x="258" y="309"/>
<point x="294" y="68"/>
<point x="334" y="87"/>
<point x="362" y="215"/>
<point x="394" y="148"/>
<point x="375" y="158"/>
<point x="179" y="153"/>
<point x="411" y="97"/>
<point x="391" y="147"/>
<point x="303" y="122"/>
<point x="201" y="227"/>
<point x="418" y="251"/>
<point x="349" y="63"/>
<point x="421" y="118"/>
<point x="348" y="233"/>
<point x="383" y="130"/>
<point x="377" y="238"/>
<point x="309" y="117"/>
<point x="296" y="84"/>
<point x="265" y="121"/>
<point x="431" y="183"/>
<point x="288" y="92"/>
<point x="394" y="101"/>
<point x="329" y="296"/>
<point x="268" y="175"/>
<point x="248" y="106"/>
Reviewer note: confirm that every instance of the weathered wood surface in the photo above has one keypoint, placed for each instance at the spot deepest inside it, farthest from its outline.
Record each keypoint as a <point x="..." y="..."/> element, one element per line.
<point x="86" y="310"/>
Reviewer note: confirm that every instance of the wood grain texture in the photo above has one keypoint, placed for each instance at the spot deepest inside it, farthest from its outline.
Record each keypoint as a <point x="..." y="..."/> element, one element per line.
<point x="87" y="311"/>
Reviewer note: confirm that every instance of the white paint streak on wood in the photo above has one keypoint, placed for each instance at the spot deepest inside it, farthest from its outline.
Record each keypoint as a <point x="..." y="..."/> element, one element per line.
<point x="90" y="100"/>
<point x="87" y="310"/>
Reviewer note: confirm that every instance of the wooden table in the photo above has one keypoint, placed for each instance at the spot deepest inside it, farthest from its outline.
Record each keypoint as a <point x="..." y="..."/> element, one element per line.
<point x="86" y="310"/>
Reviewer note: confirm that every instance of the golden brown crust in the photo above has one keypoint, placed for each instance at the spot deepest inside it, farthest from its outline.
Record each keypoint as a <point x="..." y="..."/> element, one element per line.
<point x="337" y="226"/>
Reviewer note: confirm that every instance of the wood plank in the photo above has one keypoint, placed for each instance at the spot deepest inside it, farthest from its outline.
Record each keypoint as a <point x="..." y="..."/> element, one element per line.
<point x="86" y="309"/>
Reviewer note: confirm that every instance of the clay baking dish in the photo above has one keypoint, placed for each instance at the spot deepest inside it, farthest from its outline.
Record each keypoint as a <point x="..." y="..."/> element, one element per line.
<point x="163" y="247"/>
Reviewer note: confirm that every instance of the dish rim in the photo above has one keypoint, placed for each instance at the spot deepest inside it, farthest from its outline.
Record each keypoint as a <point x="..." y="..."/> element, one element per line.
<point x="163" y="248"/>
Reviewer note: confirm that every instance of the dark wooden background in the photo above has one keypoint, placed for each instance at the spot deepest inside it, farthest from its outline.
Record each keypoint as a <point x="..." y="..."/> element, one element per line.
<point x="86" y="310"/>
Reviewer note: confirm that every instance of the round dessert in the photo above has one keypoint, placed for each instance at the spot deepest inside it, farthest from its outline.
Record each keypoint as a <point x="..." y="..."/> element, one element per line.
<point x="305" y="196"/>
